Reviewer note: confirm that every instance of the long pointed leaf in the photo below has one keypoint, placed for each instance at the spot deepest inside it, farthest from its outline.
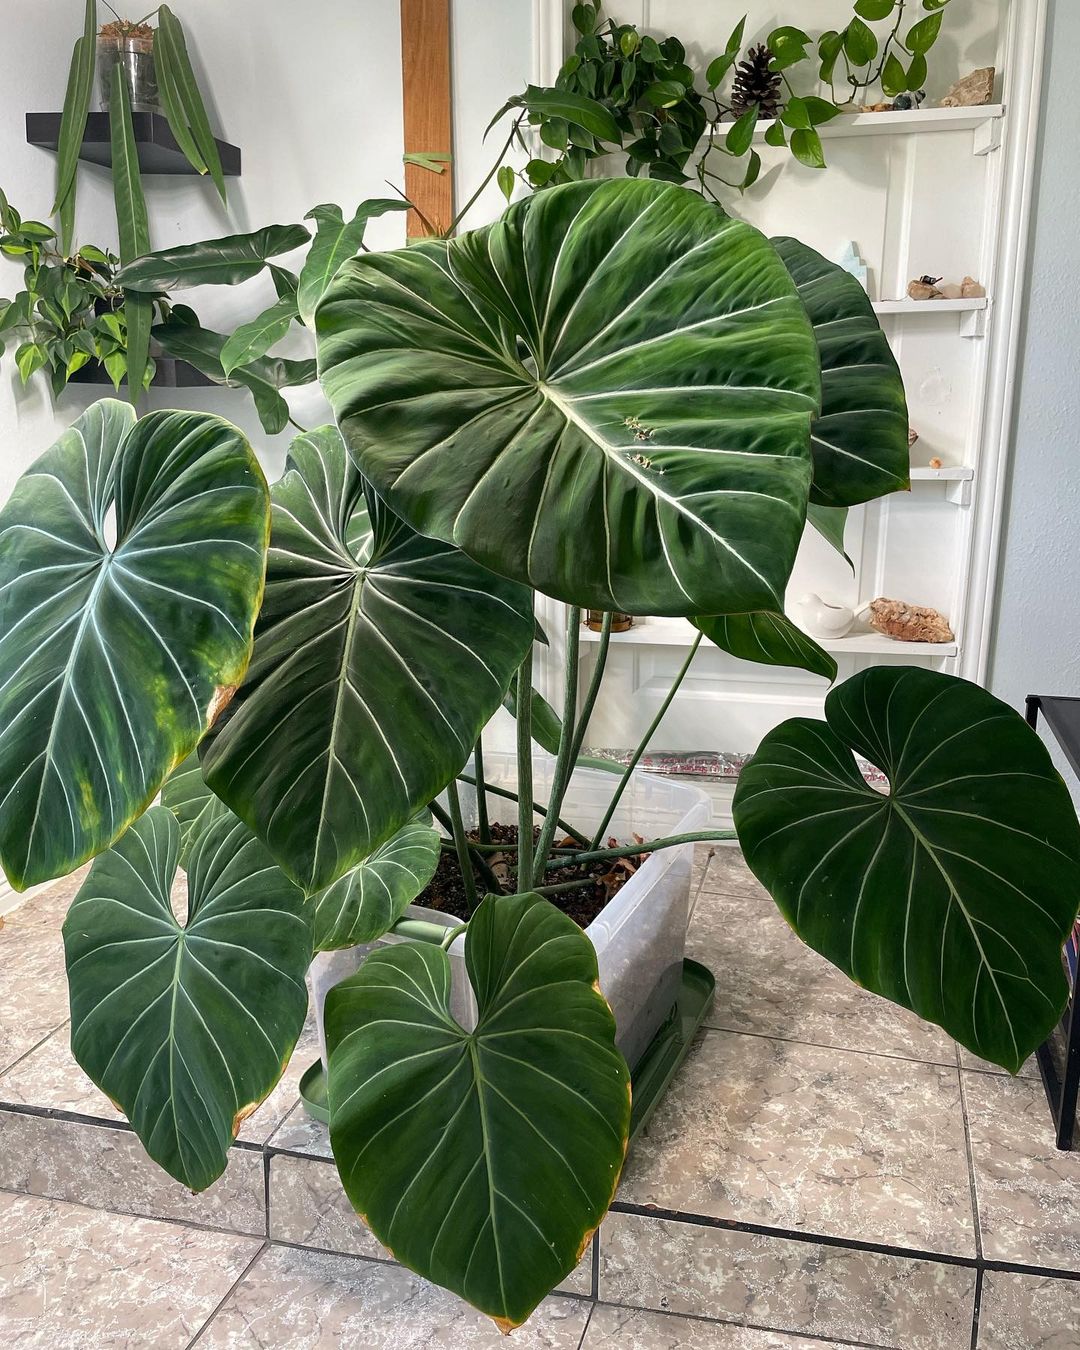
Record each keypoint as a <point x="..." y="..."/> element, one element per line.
<point x="178" y="63"/>
<point x="73" y="124"/>
<point x="254" y="339"/>
<point x="335" y="240"/>
<point x="212" y="262"/>
<point x="132" y="225"/>
<point x="768" y="639"/>
<point x="173" y="106"/>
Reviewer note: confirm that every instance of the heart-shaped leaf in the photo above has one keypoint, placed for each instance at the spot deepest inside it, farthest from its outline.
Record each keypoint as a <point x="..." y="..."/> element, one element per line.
<point x="187" y="1027"/>
<point x="769" y="639"/>
<point x="114" y="660"/>
<point x="860" y="440"/>
<point x="482" y="1160"/>
<point x="606" y="395"/>
<point x="366" y="902"/>
<point x="211" y="262"/>
<point x="379" y="658"/>
<point x="952" y="895"/>
<point x="195" y="807"/>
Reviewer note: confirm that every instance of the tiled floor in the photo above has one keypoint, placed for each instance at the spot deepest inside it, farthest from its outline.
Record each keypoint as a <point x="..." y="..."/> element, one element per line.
<point x="825" y="1170"/>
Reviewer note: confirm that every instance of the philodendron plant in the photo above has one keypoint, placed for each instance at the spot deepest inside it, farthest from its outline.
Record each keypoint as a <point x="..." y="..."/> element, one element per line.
<point x="616" y="396"/>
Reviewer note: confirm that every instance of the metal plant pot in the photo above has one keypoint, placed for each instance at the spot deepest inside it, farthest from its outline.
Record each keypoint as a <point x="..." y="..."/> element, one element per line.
<point x="135" y="56"/>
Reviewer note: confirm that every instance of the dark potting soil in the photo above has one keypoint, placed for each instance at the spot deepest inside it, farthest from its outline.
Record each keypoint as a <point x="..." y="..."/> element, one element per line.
<point x="446" y="890"/>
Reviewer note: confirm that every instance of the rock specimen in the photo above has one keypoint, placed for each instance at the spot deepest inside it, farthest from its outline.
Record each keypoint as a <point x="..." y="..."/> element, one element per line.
<point x="912" y="436"/>
<point x="908" y="623"/>
<point x="971" y="289"/>
<point x="972" y="91"/>
<point x="951" y="290"/>
<point x="924" y="288"/>
<point x="936" y="463"/>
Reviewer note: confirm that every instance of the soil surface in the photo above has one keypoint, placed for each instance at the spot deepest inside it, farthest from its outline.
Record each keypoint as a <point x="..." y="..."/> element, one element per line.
<point x="446" y="890"/>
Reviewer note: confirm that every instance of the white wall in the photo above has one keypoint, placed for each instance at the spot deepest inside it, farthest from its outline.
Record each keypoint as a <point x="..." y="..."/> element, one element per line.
<point x="311" y="94"/>
<point x="1036" y="645"/>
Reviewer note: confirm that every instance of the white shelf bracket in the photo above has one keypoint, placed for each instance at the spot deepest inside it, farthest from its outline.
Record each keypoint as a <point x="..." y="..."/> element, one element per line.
<point x="958" y="491"/>
<point x="986" y="138"/>
<point x="974" y="323"/>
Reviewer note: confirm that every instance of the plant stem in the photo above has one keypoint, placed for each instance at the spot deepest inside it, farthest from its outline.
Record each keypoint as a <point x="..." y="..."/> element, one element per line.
<point x="490" y="175"/>
<point x="564" y="759"/>
<point x="593" y="690"/>
<point x="538" y="807"/>
<point x="419" y="930"/>
<point x="644" y="743"/>
<point x="452" y="935"/>
<point x="525" y="773"/>
<point x="479" y="861"/>
<point x="565" y="886"/>
<point x="483" y="826"/>
<point x="461" y="844"/>
<point x="632" y="850"/>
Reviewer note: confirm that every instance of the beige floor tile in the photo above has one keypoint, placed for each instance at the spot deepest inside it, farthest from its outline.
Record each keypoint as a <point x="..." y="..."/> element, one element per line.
<point x="297" y="1300"/>
<point x="1029" y="1312"/>
<point x="800" y="1137"/>
<point x="633" y="1329"/>
<point x="1029" y="1069"/>
<point x="768" y="981"/>
<point x="73" y="1278"/>
<point x="1028" y="1191"/>
<point x="47" y="908"/>
<point x="33" y="990"/>
<point x="804" y="1288"/>
<point x="300" y="1133"/>
<point x="106" y="1167"/>
<point x="728" y="872"/>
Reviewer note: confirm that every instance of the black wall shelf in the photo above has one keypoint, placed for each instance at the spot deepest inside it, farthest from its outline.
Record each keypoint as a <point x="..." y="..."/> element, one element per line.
<point x="158" y="151"/>
<point x="168" y="374"/>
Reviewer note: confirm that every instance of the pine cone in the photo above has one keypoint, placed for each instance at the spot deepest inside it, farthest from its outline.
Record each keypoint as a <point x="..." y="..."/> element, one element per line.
<point x="756" y="85"/>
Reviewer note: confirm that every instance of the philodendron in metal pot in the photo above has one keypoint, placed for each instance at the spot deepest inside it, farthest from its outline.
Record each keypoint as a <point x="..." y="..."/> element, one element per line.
<point x="615" y="396"/>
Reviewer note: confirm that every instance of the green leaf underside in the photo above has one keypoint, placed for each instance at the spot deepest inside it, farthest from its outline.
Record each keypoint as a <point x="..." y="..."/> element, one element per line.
<point x="483" y="1161"/>
<point x="187" y="1028"/>
<point x="335" y="240"/>
<point x="366" y="902"/>
<point x="831" y="523"/>
<point x="859" y="442"/>
<point x="213" y="262"/>
<point x="768" y="639"/>
<point x="953" y="896"/>
<point x="607" y="395"/>
<point x="379" y="658"/>
<point x="114" y="662"/>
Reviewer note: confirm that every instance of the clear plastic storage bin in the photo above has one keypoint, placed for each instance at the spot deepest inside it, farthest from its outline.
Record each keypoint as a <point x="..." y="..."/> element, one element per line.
<point x="640" y="937"/>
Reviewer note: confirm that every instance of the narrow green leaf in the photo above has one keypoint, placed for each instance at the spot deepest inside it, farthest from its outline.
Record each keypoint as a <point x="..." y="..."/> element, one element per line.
<point x="187" y="1027"/>
<point x="894" y="78"/>
<point x="767" y="638"/>
<point x="173" y="106"/>
<point x="134" y="232"/>
<point x="73" y="122"/>
<point x="534" y="1105"/>
<point x="212" y="262"/>
<point x="255" y="338"/>
<point x="830" y="522"/>
<point x="953" y="893"/>
<point x="178" y="63"/>
<point x="335" y="240"/>
<point x="140" y="317"/>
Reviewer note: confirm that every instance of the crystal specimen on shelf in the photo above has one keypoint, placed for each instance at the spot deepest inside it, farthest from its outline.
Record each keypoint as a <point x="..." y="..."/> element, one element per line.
<point x="908" y="623"/>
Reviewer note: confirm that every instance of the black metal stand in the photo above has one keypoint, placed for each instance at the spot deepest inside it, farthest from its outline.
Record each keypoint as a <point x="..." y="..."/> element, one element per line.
<point x="1061" y="1075"/>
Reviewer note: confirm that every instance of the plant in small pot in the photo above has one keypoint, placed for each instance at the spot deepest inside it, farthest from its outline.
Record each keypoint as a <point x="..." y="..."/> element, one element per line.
<point x="616" y="396"/>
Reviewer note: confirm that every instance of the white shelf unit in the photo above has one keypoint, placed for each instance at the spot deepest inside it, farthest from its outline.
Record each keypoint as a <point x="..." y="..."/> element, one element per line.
<point x="944" y="191"/>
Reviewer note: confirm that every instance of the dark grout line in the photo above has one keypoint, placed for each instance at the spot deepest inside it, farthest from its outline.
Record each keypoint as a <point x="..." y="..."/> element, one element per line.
<point x="975" y="1310"/>
<point x="750" y="1326"/>
<point x="97" y="1122"/>
<point x="585" y="1328"/>
<point x="33" y="1049"/>
<point x="970" y="1155"/>
<point x="596" y="1263"/>
<point x="822" y="1045"/>
<point x="228" y="1295"/>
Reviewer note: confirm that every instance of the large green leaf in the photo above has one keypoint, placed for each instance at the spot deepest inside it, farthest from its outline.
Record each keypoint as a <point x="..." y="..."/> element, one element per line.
<point x="212" y="262"/>
<point x="483" y="1161"/>
<point x="255" y="338"/>
<point x="366" y="902"/>
<point x="171" y="50"/>
<point x="952" y="895"/>
<point x="195" y="807"/>
<point x="860" y="440"/>
<point x="607" y="394"/>
<point x="769" y="639"/>
<point x="187" y="1027"/>
<point x="336" y="239"/>
<point x="115" y="660"/>
<point x="379" y="658"/>
<point x="73" y="122"/>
